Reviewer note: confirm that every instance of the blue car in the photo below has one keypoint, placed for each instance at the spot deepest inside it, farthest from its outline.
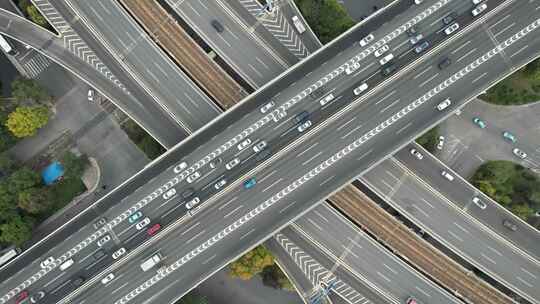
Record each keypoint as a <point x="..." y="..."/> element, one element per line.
<point x="250" y="183"/>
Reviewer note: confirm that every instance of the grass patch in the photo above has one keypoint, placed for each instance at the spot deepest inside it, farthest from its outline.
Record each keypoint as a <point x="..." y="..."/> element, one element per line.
<point x="145" y="142"/>
<point x="522" y="87"/>
<point x="62" y="192"/>
<point x="429" y="139"/>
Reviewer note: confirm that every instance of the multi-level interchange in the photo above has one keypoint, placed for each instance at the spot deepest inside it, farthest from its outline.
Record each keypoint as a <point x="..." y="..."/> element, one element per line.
<point x="273" y="137"/>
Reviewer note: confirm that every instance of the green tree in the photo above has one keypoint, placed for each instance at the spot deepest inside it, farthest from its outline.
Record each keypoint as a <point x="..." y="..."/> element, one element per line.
<point x="251" y="263"/>
<point x="429" y="139"/>
<point x="7" y="165"/>
<point x="25" y="121"/>
<point x="150" y="147"/>
<point x="24" y="88"/>
<point x="36" y="16"/>
<point x="7" y="140"/>
<point x="273" y="276"/>
<point x="522" y="210"/>
<point x="34" y="200"/>
<point x="73" y="165"/>
<point x="327" y="18"/>
<point x="8" y="202"/>
<point x="16" y="230"/>
<point x="23" y="179"/>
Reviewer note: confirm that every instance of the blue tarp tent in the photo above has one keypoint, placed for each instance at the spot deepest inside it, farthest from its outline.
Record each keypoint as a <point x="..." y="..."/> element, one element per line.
<point x="52" y="173"/>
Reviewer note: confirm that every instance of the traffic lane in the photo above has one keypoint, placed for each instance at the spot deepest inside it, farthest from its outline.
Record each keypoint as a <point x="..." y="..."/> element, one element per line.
<point x="338" y="270"/>
<point x="461" y="193"/>
<point x="181" y="96"/>
<point x="256" y="64"/>
<point x="457" y="232"/>
<point x="352" y="246"/>
<point x="165" y="129"/>
<point x="309" y="39"/>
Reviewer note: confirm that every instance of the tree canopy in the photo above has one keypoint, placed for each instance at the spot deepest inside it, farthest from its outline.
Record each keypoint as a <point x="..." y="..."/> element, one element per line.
<point x="73" y="165"/>
<point x="327" y="18"/>
<point x="16" y="230"/>
<point x="36" y="16"/>
<point x="24" y="88"/>
<point x="25" y="121"/>
<point x="251" y="263"/>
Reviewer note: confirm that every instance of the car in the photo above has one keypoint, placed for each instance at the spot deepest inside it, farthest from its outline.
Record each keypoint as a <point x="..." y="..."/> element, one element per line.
<point x="411" y="31"/>
<point x="451" y="28"/>
<point x="78" y="281"/>
<point x="301" y="117"/>
<point x="449" y="18"/>
<point x="418" y="1"/>
<point x="181" y="166"/>
<point x="298" y="24"/>
<point x="509" y="136"/>
<point x="98" y="254"/>
<point x="421" y="47"/>
<point x="214" y="163"/>
<point x="478" y="202"/>
<point x="67" y="263"/>
<point x="22" y="296"/>
<point x="440" y="143"/>
<point x="357" y="91"/>
<point x="263" y="155"/>
<point x="259" y="146"/>
<point x="250" y="183"/>
<point x="278" y="115"/>
<point x="91" y="95"/>
<point x="304" y="126"/>
<point x="366" y="40"/>
<point x="414" y="39"/>
<point x="118" y="253"/>
<point x="350" y="69"/>
<point x="517" y="152"/>
<point x="444" y="104"/>
<point x="383" y="49"/>
<point x="217" y="26"/>
<point x="388" y="70"/>
<point x="477" y="121"/>
<point x="411" y="300"/>
<point x="192" y="203"/>
<point x="140" y="225"/>
<point x="326" y="99"/>
<point x="444" y="63"/>
<point x="232" y="163"/>
<point x="479" y="9"/>
<point x="169" y="193"/>
<point x="475" y="2"/>
<point x="386" y="59"/>
<point x="267" y="107"/>
<point x="37" y="296"/>
<point x="100" y="222"/>
<point x="188" y="193"/>
<point x="416" y="154"/>
<point x="193" y="177"/>
<point x="46" y="262"/>
<point x="107" y="278"/>
<point x="103" y="240"/>
<point x="510" y="224"/>
<point x="244" y="144"/>
<point x="134" y="217"/>
<point x="152" y="230"/>
<point x="220" y="184"/>
<point x="447" y="175"/>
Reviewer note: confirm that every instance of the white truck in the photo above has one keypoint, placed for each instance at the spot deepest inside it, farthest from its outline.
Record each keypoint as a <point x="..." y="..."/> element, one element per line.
<point x="151" y="261"/>
<point x="298" y="24"/>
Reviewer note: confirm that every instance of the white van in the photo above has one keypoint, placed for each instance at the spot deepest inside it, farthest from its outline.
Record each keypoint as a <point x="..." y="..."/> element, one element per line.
<point x="479" y="9"/>
<point x="327" y="99"/>
<point x="66" y="264"/>
<point x="298" y="24"/>
<point x="386" y="59"/>
<point x="447" y="175"/>
<point x="443" y="105"/>
<point x="360" y="89"/>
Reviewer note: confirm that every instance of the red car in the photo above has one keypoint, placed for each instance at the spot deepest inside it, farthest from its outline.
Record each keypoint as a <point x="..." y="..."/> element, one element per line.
<point x="21" y="297"/>
<point x="152" y="230"/>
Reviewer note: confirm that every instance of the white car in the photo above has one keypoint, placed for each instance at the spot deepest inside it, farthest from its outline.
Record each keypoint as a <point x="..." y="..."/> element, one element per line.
<point x="304" y="126"/>
<point x="366" y="40"/>
<point x="517" y="152"/>
<point x="232" y="163"/>
<point x="416" y="154"/>
<point x="181" y="166"/>
<point x="386" y="59"/>
<point x="360" y="89"/>
<point x="440" y="143"/>
<point x="244" y="144"/>
<point x="108" y="278"/>
<point x="475" y="2"/>
<point x="418" y="1"/>
<point x="169" y="193"/>
<point x="192" y="203"/>
<point x="91" y="95"/>
<point x="349" y="70"/>
<point x="479" y="9"/>
<point x="443" y="105"/>
<point x="383" y="49"/>
<point x="259" y="147"/>
<point x="140" y="225"/>
<point x="326" y="99"/>
<point x="416" y="38"/>
<point x="476" y="200"/>
<point x="213" y="164"/>
<point x="103" y="240"/>
<point x="47" y="262"/>
<point x="267" y="107"/>
<point x="193" y="177"/>
<point x="118" y="253"/>
<point x="279" y="115"/>
<point x="451" y="28"/>
<point x="447" y="175"/>
<point x="220" y="184"/>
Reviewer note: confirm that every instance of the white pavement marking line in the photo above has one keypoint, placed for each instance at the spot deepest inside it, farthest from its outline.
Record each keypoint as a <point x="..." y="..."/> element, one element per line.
<point x="273" y="184"/>
<point x="460" y="47"/>
<point x="306" y="150"/>
<point x="461" y="228"/>
<point x="422" y="73"/>
<point x="383" y="276"/>
<point x="422" y="291"/>
<point x="345" y="124"/>
<point x="501" y="20"/>
<point x="209" y="259"/>
<point x="527" y="272"/>
<point x="390" y="105"/>
<point x="384" y="98"/>
<point x="287" y="207"/>
<point x="455" y="236"/>
<point x="427" y="203"/>
<point x="117" y="289"/>
<point x="351" y="131"/>
<point x="247" y="233"/>
<point x="488" y="258"/>
<point x="403" y="128"/>
<point x="479" y="77"/>
<point x="314" y="224"/>
<point x="420" y="210"/>
<point x="519" y="51"/>
<point x="190" y="228"/>
<point x="428" y="80"/>
<point x="233" y="211"/>
<point x="466" y="54"/>
<point x="504" y="30"/>
<point x="524" y="282"/>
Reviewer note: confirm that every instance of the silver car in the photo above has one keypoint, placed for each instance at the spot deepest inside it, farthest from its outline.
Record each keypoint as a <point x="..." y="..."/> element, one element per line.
<point x="192" y="203"/>
<point x="193" y="177"/>
<point x="304" y="126"/>
<point x="140" y="225"/>
<point x="220" y="184"/>
<point x="259" y="147"/>
<point x="267" y="107"/>
<point x="103" y="240"/>
<point x="118" y="253"/>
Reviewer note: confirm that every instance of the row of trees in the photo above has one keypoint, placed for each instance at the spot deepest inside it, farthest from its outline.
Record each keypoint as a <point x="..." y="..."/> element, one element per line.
<point x="260" y="261"/>
<point x="24" y="199"/>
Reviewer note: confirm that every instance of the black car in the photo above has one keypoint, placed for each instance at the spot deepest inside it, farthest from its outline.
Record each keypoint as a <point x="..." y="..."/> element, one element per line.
<point x="389" y="69"/>
<point x="301" y="117"/>
<point x="411" y="31"/>
<point x="449" y="18"/>
<point x="510" y="225"/>
<point x="444" y="63"/>
<point x="217" y="26"/>
<point x="78" y="281"/>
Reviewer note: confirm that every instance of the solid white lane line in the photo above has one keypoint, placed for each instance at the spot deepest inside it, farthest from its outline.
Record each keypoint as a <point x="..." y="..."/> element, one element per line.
<point x="422" y="73"/>
<point x="390" y="105"/>
<point x="315" y="224"/>
<point x="309" y="148"/>
<point x="345" y="124"/>
<point x="488" y="258"/>
<point x="479" y="77"/>
<point x="455" y="236"/>
<point x="312" y="158"/>
<point x="247" y="233"/>
<point x="427" y="203"/>
<point x="273" y="184"/>
<point x="403" y="128"/>
<point x="461" y="227"/>
<point x="233" y="211"/>
<point x="195" y="236"/>
<point x="466" y="54"/>
<point x="117" y="289"/>
<point x="460" y="47"/>
<point x="190" y="228"/>
<point x="384" y="98"/>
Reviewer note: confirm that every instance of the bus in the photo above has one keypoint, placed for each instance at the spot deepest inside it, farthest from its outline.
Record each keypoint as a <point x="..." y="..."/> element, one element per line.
<point x="8" y="254"/>
<point x="6" y="46"/>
